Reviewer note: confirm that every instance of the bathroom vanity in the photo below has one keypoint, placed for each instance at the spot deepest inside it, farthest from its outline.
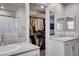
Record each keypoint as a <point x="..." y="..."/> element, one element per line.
<point x="63" y="46"/>
<point x="20" y="49"/>
<point x="65" y="41"/>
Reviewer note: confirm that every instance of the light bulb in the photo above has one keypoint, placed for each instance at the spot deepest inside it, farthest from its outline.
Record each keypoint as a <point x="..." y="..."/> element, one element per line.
<point x="42" y="7"/>
<point x="2" y="7"/>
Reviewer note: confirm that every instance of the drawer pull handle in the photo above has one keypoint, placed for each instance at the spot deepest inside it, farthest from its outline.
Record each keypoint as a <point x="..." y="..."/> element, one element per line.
<point x="67" y="44"/>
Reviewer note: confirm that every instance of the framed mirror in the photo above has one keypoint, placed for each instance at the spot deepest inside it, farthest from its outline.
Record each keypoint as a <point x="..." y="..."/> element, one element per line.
<point x="70" y="23"/>
<point x="52" y="17"/>
<point x="60" y="24"/>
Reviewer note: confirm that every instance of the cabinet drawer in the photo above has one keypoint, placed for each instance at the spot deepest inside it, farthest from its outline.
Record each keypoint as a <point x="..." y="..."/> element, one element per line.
<point x="31" y="53"/>
<point x="70" y="42"/>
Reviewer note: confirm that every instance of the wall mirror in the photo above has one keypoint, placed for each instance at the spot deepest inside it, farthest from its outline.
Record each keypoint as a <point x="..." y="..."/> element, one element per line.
<point x="52" y="17"/>
<point x="70" y="23"/>
<point x="9" y="24"/>
<point x="60" y="24"/>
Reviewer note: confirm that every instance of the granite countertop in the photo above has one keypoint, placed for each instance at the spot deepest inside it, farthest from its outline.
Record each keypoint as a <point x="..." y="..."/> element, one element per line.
<point x="22" y="47"/>
<point x="63" y="39"/>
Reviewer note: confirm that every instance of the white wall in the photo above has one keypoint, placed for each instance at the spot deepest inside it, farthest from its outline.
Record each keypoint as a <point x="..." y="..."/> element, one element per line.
<point x="20" y="13"/>
<point x="23" y="15"/>
<point x="57" y="8"/>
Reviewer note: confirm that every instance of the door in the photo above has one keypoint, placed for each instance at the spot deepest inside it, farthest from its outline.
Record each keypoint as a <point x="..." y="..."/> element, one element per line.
<point x="68" y="49"/>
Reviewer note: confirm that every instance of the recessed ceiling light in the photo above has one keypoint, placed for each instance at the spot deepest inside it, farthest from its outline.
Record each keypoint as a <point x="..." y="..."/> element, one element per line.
<point x="42" y="7"/>
<point x="2" y="7"/>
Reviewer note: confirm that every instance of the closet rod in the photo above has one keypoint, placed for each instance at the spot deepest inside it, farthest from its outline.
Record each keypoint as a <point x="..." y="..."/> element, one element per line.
<point x="36" y="17"/>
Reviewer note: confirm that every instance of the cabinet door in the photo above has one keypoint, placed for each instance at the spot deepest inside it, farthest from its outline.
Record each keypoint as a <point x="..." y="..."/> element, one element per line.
<point x="55" y="48"/>
<point x="75" y="48"/>
<point x="68" y="49"/>
<point x="71" y="48"/>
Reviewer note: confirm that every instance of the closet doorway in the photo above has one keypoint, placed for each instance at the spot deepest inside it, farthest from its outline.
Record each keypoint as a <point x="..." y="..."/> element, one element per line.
<point x="37" y="26"/>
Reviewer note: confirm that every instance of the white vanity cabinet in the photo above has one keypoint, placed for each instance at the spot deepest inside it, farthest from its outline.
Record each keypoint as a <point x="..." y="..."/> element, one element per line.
<point x="63" y="47"/>
<point x="71" y="48"/>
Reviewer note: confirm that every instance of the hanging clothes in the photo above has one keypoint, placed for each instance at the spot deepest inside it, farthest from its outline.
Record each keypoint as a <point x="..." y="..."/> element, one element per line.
<point x="39" y="25"/>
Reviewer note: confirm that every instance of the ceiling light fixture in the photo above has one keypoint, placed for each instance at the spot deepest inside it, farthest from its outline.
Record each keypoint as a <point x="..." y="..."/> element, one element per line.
<point x="2" y="7"/>
<point x="42" y="7"/>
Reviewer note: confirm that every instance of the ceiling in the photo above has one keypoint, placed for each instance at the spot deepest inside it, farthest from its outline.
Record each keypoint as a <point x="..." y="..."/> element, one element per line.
<point x="12" y="6"/>
<point x="37" y="6"/>
<point x="33" y="6"/>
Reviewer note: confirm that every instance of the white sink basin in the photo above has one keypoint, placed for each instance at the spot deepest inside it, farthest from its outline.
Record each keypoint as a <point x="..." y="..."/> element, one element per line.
<point x="8" y="49"/>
